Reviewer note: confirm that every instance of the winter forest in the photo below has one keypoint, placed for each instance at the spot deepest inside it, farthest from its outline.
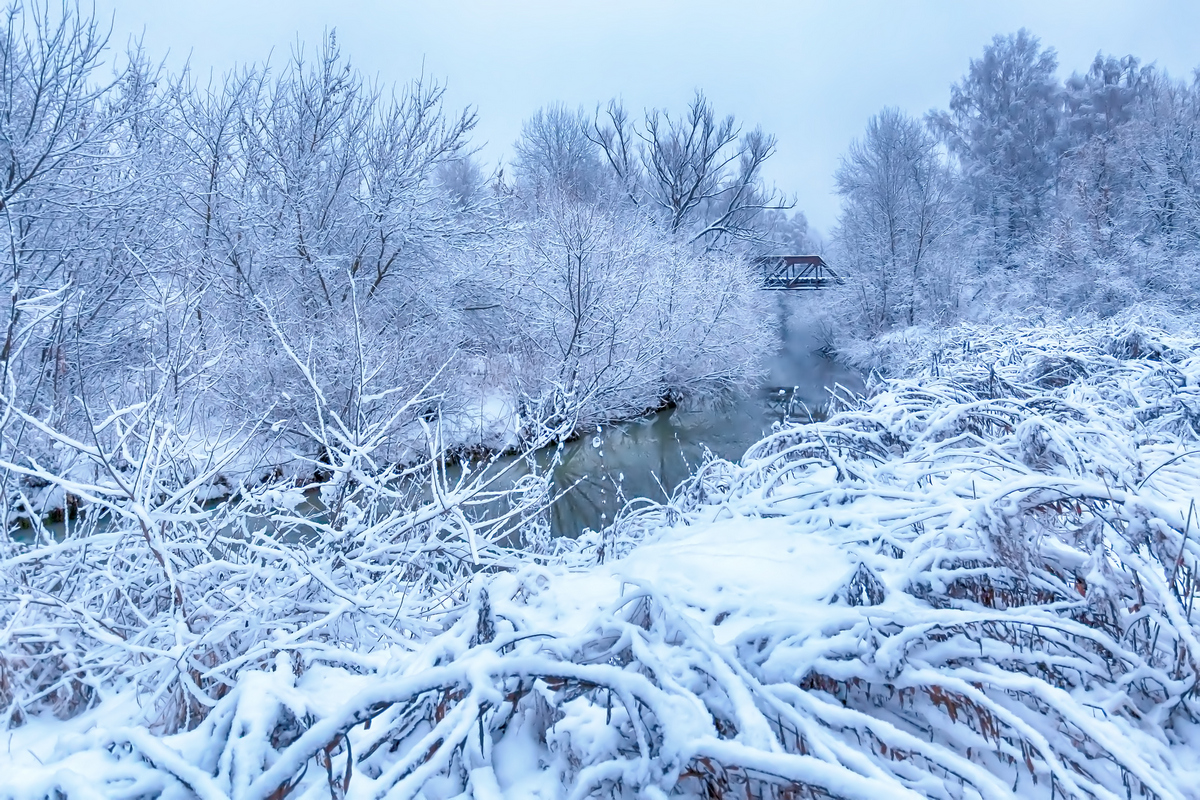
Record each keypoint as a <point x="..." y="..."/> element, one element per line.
<point x="290" y="375"/>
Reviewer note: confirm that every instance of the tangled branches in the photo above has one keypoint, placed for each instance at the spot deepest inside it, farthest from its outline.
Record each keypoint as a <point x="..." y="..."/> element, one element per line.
<point x="154" y="590"/>
<point x="942" y="591"/>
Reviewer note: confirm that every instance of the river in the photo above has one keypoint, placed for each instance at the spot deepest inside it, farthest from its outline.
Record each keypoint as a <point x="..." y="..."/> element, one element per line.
<point x="603" y="469"/>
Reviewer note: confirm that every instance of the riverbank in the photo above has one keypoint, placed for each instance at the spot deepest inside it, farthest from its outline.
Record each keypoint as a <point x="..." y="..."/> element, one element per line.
<point x="978" y="581"/>
<point x="593" y="470"/>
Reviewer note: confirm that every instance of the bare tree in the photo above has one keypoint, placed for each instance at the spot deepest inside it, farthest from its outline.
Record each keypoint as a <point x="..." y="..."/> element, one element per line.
<point x="702" y="174"/>
<point x="50" y="122"/>
<point x="81" y="165"/>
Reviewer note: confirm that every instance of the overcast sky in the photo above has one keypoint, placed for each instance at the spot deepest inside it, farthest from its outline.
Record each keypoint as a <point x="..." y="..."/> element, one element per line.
<point x="811" y="73"/>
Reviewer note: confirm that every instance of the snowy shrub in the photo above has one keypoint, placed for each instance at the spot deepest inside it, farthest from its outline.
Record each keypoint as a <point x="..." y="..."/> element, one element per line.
<point x="153" y="589"/>
<point x="942" y="591"/>
<point x="610" y="316"/>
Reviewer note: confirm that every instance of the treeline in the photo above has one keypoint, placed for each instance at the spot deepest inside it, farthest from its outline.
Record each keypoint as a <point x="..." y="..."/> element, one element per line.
<point x="1028" y="192"/>
<point x="290" y="249"/>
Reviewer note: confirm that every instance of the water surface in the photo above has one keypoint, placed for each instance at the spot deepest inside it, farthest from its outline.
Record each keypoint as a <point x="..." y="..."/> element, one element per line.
<point x="649" y="457"/>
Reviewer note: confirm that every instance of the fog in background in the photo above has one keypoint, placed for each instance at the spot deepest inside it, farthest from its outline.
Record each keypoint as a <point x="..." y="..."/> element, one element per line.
<point x="810" y="73"/>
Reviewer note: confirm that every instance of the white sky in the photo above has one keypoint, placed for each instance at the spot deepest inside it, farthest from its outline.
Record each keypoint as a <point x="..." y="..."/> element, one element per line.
<point x="811" y="73"/>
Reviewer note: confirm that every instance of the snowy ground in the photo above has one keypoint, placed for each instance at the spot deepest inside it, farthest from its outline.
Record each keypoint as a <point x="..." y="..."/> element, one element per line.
<point x="977" y="582"/>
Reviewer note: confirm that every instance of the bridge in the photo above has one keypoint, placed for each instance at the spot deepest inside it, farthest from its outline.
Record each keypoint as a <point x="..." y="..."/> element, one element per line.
<point x="796" y="273"/>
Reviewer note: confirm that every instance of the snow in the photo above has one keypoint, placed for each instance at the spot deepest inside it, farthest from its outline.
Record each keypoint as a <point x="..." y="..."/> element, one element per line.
<point x="744" y="571"/>
<point x="486" y="420"/>
<point x="973" y="583"/>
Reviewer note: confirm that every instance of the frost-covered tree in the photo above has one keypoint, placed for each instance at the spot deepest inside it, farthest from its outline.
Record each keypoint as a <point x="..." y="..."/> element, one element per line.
<point x="577" y="283"/>
<point x="554" y="155"/>
<point x="314" y="200"/>
<point x="1127" y="216"/>
<point x="1105" y="97"/>
<point x="1003" y="127"/>
<point x="1164" y="161"/>
<point x="896" y="212"/>
<point x="613" y="315"/>
<point x="464" y="181"/>
<point x="786" y="233"/>
<point x="1094" y="175"/>
<point x="81" y="174"/>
